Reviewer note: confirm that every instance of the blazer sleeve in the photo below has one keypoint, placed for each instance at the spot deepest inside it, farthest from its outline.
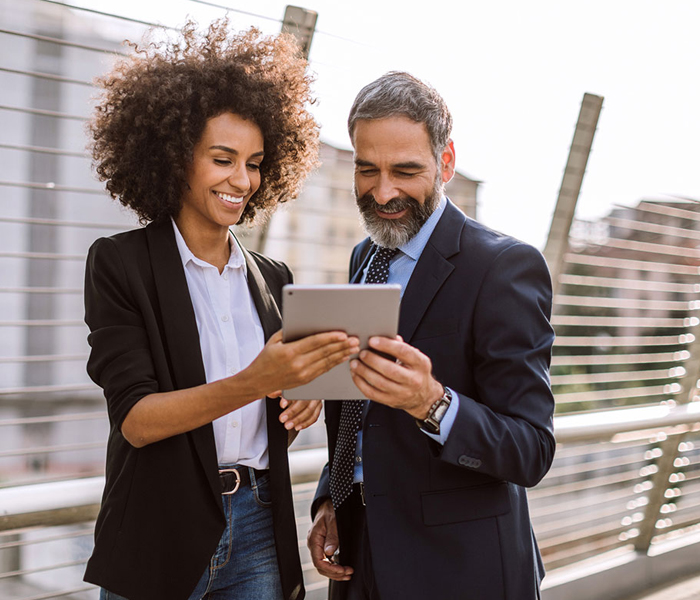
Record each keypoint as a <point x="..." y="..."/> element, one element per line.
<point x="120" y="359"/>
<point x="507" y="432"/>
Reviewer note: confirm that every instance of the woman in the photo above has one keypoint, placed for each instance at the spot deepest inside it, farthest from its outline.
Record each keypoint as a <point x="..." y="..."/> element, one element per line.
<point x="194" y="136"/>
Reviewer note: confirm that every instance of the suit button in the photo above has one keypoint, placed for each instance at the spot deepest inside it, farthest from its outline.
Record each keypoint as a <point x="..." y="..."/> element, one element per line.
<point x="477" y="463"/>
<point x="464" y="460"/>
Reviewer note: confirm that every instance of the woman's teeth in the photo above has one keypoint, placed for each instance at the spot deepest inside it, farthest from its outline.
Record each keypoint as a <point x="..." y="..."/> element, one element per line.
<point x="228" y="198"/>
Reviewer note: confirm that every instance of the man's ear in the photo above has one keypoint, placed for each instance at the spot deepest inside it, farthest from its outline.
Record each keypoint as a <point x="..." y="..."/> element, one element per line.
<point x="447" y="162"/>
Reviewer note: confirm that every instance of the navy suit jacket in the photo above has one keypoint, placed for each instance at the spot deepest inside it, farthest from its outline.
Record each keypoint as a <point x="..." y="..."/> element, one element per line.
<point x="162" y="514"/>
<point x="452" y="522"/>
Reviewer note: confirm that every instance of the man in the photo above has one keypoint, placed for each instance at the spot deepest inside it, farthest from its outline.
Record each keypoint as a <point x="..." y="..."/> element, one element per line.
<point x="461" y="422"/>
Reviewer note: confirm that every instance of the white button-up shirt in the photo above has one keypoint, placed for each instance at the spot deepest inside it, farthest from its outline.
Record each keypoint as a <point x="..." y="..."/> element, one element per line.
<point x="230" y="337"/>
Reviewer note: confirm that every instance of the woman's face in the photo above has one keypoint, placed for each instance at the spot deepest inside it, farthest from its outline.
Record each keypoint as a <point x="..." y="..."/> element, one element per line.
<point x="224" y="174"/>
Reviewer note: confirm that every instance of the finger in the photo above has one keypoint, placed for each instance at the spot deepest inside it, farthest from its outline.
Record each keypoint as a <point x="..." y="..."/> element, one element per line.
<point x="309" y="416"/>
<point x="376" y="379"/>
<point x="298" y="414"/>
<point x="390" y="369"/>
<point x="318" y="340"/>
<point x="370" y="391"/>
<point x="406" y="353"/>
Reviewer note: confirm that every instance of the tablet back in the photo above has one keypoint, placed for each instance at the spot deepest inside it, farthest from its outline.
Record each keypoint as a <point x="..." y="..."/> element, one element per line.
<point x="360" y="310"/>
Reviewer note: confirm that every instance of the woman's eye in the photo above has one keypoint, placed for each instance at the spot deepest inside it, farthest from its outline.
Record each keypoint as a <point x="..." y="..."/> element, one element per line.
<point x="254" y="166"/>
<point x="222" y="161"/>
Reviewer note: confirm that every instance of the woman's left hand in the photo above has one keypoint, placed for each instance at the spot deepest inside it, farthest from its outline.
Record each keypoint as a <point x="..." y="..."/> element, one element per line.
<point x="299" y="414"/>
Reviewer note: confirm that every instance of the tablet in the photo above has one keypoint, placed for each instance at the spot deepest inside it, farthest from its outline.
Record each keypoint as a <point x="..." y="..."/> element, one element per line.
<point x="359" y="310"/>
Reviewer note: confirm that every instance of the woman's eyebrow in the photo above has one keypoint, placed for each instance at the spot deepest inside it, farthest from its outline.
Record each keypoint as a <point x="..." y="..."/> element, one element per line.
<point x="232" y="151"/>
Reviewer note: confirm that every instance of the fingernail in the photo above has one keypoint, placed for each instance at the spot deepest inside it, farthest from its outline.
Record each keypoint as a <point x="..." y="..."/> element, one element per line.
<point x="353" y="365"/>
<point x="283" y="418"/>
<point x="298" y="428"/>
<point x="288" y="425"/>
<point x="283" y="403"/>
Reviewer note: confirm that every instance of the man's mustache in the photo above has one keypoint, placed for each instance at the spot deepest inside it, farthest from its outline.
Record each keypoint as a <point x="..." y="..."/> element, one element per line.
<point x="367" y="202"/>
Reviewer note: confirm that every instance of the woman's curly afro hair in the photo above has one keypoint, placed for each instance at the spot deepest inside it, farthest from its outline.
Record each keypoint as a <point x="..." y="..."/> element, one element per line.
<point x="156" y="103"/>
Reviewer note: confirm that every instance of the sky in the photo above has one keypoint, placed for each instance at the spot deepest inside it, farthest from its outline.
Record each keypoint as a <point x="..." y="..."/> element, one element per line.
<point x="513" y="74"/>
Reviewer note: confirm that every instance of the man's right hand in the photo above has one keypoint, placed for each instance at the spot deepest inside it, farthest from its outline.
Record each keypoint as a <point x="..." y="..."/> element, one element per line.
<point x="322" y="541"/>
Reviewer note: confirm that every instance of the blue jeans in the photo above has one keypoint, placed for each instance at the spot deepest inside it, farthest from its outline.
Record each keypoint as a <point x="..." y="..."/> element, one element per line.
<point x="244" y="566"/>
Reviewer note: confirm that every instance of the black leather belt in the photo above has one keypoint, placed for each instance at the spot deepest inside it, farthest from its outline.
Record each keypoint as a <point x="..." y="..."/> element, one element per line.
<point x="234" y="478"/>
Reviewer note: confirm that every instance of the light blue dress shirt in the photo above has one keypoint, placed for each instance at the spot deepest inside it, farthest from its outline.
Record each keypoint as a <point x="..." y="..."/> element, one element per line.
<point x="400" y="270"/>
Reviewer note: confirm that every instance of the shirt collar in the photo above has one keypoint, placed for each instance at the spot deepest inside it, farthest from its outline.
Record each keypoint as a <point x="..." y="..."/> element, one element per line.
<point x="414" y="247"/>
<point x="235" y="260"/>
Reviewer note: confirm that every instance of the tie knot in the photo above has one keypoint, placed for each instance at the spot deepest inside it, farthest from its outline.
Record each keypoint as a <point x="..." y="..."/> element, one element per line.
<point x="385" y="253"/>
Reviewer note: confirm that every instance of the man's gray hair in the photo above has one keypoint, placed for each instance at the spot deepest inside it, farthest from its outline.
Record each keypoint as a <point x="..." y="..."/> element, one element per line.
<point x="401" y="94"/>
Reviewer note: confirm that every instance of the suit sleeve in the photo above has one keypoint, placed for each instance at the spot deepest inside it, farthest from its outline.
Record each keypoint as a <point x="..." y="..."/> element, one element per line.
<point x="120" y="358"/>
<point x="507" y="431"/>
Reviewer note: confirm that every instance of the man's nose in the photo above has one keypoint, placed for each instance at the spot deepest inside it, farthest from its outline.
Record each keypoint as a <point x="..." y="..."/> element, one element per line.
<point x="384" y="191"/>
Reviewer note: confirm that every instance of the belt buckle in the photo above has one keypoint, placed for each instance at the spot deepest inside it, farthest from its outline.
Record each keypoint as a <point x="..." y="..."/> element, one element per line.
<point x="238" y="481"/>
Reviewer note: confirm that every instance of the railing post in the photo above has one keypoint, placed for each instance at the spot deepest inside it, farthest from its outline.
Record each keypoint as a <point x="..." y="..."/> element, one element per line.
<point x="558" y="238"/>
<point x="669" y="448"/>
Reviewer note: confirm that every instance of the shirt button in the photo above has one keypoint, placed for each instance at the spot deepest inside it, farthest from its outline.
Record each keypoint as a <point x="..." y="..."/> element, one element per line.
<point x="358" y="459"/>
<point x="224" y="318"/>
<point x="232" y="371"/>
<point x="225" y="276"/>
<point x="234" y="424"/>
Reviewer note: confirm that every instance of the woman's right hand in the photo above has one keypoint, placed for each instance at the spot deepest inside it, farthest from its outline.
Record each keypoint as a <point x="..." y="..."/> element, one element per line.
<point x="281" y="366"/>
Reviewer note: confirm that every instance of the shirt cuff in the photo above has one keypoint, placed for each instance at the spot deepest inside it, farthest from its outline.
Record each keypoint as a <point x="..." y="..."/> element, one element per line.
<point x="447" y="421"/>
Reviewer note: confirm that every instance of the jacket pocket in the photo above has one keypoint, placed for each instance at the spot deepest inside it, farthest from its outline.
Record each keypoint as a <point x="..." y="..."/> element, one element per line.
<point x="465" y="504"/>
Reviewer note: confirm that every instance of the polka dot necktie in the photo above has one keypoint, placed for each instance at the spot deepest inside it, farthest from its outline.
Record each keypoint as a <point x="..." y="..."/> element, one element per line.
<point x="351" y="410"/>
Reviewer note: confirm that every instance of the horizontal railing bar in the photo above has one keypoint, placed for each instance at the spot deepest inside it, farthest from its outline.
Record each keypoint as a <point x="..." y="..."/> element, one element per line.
<point x="44" y="150"/>
<point x="597" y="464"/>
<point x="588" y="449"/>
<point x="40" y="389"/>
<point x="42" y="256"/>
<point x="110" y="15"/>
<point x="578" y="486"/>
<point x="638" y="340"/>
<point x="54" y="418"/>
<point x="541" y="512"/>
<point x="579" y="520"/>
<point x="636" y="265"/>
<point x="44" y="323"/>
<point x="641" y="322"/>
<point x="53" y="187"/>
<point x="630" y="303"/>
<point x="49" y="76"/>
<point x="42" y="113"/>
<point x="42" y="358"/>
<point x="615" y="394"/>
<point x="42" y="569"/>
<point x="613" y="376"/>
<point x="52" y="449"/>
<point x="39" y="290"/>
<point x="61" y="42"/>
<point x="606" y="424"/>
<point x="21" y="543"/>
<point x="657" y="228"/>
<point x="56" y="223"/>
<point x="9" y="484"/>
<point x="629" y="284"/>
<point x="647" y="248"/>
<point x="617" y="359"/>
<point x="665" y="210"/>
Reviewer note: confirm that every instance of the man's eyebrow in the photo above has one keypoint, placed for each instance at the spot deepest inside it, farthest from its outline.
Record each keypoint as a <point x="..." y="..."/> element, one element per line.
<point x="404" y="165"/>
<point x="232" y="151"/>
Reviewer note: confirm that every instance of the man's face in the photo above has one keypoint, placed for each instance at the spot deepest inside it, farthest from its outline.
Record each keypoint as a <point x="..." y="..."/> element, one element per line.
<point x="398" y="183"/>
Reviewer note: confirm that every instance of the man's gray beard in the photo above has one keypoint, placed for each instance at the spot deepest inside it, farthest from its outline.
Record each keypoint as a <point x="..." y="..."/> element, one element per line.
<point x="394" y="233"/>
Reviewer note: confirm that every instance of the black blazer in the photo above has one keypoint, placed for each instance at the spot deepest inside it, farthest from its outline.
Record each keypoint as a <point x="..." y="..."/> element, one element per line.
<point x="452" y="522"/>
<point x="162" y="515"/>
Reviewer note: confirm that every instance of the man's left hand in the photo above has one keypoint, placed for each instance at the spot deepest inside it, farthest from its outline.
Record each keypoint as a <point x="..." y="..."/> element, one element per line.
<point x="407" y="384"/>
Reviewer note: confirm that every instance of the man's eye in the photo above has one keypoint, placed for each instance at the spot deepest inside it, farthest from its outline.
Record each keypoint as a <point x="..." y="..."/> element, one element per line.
<point x="367" y="172"/>
<point x="405" y="174"/>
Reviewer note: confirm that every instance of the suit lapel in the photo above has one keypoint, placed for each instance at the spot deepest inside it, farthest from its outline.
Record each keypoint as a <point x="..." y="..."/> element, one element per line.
<point x="433" y="268"/>
<point x="180" y="332"/>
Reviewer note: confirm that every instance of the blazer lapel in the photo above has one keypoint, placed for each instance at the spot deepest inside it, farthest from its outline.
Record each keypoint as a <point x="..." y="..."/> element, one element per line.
<point x="432" y="270"/>
<point x="180" y="332"/>
<point x="268" y="311"/>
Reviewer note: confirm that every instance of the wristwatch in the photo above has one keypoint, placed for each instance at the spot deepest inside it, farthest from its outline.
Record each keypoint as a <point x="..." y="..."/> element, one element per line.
<point x="436" y="414"/>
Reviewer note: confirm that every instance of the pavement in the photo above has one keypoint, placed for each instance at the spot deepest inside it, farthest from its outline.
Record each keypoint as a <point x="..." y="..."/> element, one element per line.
<point x="685" y="589"/>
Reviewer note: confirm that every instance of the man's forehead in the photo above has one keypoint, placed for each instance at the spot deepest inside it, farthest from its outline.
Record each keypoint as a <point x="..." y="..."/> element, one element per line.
<point x="396" y="139"/>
